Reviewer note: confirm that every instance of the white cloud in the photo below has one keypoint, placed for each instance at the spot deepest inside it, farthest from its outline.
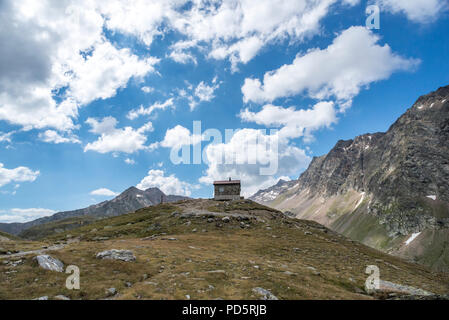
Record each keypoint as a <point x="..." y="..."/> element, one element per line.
<point x="104" y="71"/>
<point x="203" y="92"/>
<point x="294" y="123"/>
<point x="104" y="192"/>
<point x="6" y="137"/>
<point x="147" y="89"/>
<point x="112" y="139"/>
<point x="58" y="48"/>
<point x="170" y="185"/>
<point x="130" y="161"/>
<point x="238" y="30"/>
<point x="24" y="215"/>
<point x="422" y="11"/>
<point x="19" y="174"/>
<point x="179" y="52"/>
<point x="51" y="136"/>
<point x="252" y="150"/>
<point x="177" y="137"/>
<point x="134" y="114"/>
<point x="351" y="62"/>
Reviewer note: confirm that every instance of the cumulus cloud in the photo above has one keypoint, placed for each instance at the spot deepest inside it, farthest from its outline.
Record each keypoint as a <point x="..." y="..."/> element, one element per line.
<point x="58" y="59"/>
<point x="52" y="136"/>
<point x="294" y="123"/>
<point x="104" y="192"/>
<point x="170" y="184"/>
<point x="421" y="11"/>
<point x="112" y="139"/>
<point x="24" y="215"/>
<point x="104" y="71"/>
<point x="19" y="174"/>
<point x="141" y="111"/>
<point x="351" y="62"/>
<point x="177" y="137"/>
<point x="238" y="30"/>
<point x="180" y="52"/>
<point x="251" y="150"/>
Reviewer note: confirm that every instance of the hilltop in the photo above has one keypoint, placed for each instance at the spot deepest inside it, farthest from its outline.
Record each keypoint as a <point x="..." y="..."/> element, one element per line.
<point x="204" y="249"/>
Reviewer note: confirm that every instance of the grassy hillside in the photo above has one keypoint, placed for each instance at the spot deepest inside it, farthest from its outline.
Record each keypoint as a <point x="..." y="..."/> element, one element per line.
<point x="8" y="236"/>
<point x="51" y="228"/>
<point x="187" y="249"/>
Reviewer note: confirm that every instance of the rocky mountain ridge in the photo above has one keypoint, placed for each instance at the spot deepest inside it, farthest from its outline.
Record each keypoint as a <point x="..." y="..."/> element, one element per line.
<point x="380" y="188"/>
<point x="129" y="200"/>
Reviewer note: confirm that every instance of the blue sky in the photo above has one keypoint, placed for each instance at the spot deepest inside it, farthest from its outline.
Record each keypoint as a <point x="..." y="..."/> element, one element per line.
<point x="95" y="97"/>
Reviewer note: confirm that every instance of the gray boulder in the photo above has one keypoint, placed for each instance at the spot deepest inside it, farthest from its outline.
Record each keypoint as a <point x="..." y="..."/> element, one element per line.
<point x="111" y="292"/>
<point x="49" y="263"/>
<point x="114" y="254"/>
<point x="265" y="294"/>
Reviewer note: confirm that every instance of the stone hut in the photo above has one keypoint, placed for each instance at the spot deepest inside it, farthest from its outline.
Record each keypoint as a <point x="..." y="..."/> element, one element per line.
<point x="227" y="190"/>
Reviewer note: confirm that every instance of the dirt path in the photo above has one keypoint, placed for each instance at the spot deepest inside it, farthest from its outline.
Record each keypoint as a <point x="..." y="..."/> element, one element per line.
<point x="40" y="251"/>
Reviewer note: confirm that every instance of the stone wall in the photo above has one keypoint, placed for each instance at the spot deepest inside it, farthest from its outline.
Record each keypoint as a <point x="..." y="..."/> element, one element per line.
<point x="230" y="191"/>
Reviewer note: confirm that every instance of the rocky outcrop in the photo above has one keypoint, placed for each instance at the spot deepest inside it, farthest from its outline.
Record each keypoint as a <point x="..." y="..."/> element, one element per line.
<point x="114" y="254"/>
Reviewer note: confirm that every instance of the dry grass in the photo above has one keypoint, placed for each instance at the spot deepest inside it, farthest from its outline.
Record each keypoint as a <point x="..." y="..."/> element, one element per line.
<point x="293" y="259"/>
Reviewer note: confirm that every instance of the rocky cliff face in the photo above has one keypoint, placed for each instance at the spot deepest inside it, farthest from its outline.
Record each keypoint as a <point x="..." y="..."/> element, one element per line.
<point x="397" y="181"/>
<point x="128" y="201"/>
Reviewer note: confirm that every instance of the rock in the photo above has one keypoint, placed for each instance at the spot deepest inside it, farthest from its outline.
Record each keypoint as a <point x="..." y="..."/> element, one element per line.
<point x="210" y="220"/>
<point x="111" y="292"/>
<point x="145" y="276"/>
<point x="187" y="297"/>
<point x="226" y="219"/>
<point x="42" y="298"/>
<point x="49" y="263"/>
<point x="128" y="284"/>
<point x="387" y="286"/>
<point x="265" y="294"/>
<point x="216" y="271"/>
<point x="61" y="297"/>
<point x="114" y="254"/>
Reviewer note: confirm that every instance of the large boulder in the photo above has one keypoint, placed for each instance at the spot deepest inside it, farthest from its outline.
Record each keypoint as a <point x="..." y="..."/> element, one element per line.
<point x="49" y="263"/>
<point x="264" y="294"/>
<point x="114" y="254"/>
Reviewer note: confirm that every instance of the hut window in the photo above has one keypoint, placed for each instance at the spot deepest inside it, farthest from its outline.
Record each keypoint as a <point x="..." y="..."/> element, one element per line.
<point x="221" y="189"/>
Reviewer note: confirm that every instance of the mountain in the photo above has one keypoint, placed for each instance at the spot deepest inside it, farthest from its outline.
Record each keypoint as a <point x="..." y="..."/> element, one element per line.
<point x="388" y="190"/>
<point x="128" y="201"/>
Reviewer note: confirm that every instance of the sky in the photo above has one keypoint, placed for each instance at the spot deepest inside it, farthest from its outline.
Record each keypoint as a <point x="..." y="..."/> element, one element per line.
<point x="99" y="96"/>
